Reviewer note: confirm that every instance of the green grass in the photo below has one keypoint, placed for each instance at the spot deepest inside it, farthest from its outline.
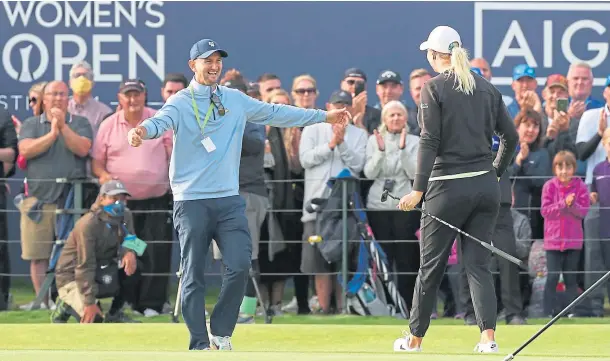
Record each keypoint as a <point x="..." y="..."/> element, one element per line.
<point x="143" y="342"/>
<point x="28" y="336"/>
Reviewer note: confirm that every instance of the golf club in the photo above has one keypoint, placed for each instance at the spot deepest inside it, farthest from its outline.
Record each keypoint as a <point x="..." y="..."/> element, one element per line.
<point x="515" y="260"/>
<point x="266" y="309"/>
<point x="175" y="315"/>
<point x="600" y="282"/>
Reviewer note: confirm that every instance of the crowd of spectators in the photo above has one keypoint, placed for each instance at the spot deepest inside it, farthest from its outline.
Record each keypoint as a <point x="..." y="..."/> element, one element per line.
<point x="563" y="134"/>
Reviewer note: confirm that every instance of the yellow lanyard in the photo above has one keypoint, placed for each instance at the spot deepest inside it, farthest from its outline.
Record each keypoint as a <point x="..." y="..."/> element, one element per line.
<point x="196" y="110"/>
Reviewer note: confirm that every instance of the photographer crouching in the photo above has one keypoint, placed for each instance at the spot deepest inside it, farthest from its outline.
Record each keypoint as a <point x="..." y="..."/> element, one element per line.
<point x="98" y="260"/>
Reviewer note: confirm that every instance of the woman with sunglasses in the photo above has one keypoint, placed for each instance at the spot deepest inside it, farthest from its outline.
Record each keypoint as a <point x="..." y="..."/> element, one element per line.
<point x="34" y="103"/>
<point x="459" y="113"/>
<point x="304" y="91"/>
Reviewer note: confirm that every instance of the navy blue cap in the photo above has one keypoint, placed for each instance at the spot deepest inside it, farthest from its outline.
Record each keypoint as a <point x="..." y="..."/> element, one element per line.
<point x="522" y="70"/>
<point x="132" y="84"/>
<point x="389" y="76"/>
<point x="340" y="97"/>
<point x="206" y="47"/>
<point x="476" y="70"/>
<point x="608" y="81"/>
<point x="354" y="72"/>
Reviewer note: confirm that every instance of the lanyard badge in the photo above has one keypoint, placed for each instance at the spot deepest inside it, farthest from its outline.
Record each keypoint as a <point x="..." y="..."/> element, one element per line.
<point x="207" y="142"/>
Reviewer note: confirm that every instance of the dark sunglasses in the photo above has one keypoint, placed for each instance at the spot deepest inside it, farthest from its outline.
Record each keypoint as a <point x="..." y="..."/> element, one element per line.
<point x="218" y="104"/>
<point x="33" y="100"/>
<point x="352" y="81"/>
<point x="305" y="91"/>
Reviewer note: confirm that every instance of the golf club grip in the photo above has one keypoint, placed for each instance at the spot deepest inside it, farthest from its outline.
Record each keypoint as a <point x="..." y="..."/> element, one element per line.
<point x="600" y="282"/>
<point x="491" y="248"/>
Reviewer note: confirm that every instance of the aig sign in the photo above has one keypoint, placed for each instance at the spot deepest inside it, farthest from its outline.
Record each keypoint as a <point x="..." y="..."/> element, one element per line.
<point x="546" y="36"/>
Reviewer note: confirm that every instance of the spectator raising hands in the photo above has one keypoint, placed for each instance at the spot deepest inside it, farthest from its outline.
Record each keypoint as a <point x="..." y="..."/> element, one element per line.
<point x="391" y="158"/>
<point x="577" y="107"/>
<point x="379" y="138"/>
<point x="523" y="153"/>
<point x="529" y="100"/>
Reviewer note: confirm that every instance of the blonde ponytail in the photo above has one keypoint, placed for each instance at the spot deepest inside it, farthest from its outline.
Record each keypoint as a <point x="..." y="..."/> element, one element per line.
<point x="460" y="66"/>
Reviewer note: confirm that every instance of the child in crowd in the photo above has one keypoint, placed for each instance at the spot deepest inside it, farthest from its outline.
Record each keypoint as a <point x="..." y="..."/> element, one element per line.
<point x="565" y="202"/>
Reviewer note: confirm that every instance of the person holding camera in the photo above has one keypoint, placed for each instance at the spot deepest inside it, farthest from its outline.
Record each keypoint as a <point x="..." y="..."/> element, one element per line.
<point x="363" y="115"/>
<point x="391" y="159"/>
<point x="98" y="260"/>
<point x="559" y="130"/>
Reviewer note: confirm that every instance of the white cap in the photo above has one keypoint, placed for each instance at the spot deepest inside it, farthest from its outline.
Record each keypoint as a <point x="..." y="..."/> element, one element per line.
<point x="440" y="40"/>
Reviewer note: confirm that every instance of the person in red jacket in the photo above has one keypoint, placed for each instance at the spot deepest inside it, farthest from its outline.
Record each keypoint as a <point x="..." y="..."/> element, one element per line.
<point x="565" y="202"/>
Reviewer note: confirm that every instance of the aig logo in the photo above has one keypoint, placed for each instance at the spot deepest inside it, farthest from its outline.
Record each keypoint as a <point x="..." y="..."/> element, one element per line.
<point x="546" y="36"/>
<point x="18" y="61"/>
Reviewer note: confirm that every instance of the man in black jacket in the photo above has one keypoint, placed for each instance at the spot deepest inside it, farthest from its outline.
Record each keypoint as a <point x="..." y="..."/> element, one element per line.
<point x="8" y="155"/>
<point x="252" y="188"/>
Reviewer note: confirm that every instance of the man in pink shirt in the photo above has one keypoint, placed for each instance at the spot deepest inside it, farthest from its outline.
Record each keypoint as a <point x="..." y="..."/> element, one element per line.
<point x="145" y="173"/>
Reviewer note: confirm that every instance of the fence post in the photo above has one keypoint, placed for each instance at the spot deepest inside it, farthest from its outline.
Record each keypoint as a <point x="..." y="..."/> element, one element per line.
<point x="345" y="241"/>
<point x="78" y="200"/>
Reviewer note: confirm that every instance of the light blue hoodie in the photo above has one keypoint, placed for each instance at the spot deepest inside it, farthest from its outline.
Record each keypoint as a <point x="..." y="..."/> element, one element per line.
<point x="194" y="172"/>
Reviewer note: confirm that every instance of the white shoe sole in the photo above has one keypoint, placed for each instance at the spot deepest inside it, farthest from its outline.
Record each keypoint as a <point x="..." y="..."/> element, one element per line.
<point x="400" y="345"/>
<point x="486" y="349"/>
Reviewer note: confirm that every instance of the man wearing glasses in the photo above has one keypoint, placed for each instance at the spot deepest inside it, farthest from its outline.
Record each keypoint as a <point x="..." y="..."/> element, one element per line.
<point x="208" y="121"/>
<point x="365" y="116"/>
<point x="55" y="145"/>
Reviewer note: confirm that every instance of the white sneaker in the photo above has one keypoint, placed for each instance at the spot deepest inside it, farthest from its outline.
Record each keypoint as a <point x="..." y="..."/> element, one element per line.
<point x="490" y="347"/>
<point x="291" y="307"/>
<point x="43" y="306"/>
<point x="402" y="344"/>
<point x="314" y="304"/>
<point x="221" y="343"/>
<point x="149" y="312"/>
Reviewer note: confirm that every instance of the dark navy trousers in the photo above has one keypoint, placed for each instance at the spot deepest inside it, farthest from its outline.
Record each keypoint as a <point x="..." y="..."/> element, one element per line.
<point x="197" y="223"/>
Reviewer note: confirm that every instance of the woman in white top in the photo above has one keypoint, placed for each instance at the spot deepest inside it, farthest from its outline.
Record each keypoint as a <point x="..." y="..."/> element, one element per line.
<point x="391" y="160"/>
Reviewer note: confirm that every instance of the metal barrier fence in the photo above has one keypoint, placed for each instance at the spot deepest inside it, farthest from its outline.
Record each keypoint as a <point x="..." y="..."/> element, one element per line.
<point x="344" y="273"/>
